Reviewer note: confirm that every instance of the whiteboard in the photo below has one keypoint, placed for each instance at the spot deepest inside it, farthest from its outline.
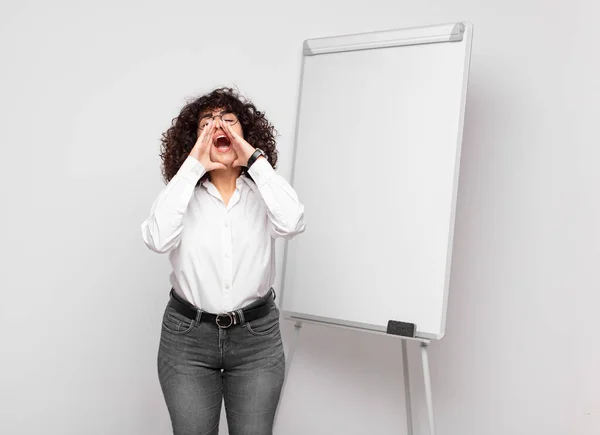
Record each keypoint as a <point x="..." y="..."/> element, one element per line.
<point x="376" y="164"/>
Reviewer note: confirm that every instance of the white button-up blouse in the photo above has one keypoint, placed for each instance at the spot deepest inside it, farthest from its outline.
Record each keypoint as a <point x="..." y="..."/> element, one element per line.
<point x="223" y="257"/>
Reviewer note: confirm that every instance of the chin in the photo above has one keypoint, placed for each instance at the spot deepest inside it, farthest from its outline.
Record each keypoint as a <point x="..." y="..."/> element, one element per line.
<point x="227" y="158"/>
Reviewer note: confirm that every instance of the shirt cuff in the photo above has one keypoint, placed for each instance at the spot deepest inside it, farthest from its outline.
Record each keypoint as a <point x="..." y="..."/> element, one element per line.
<point x="191" y="170"/>
<point x="261" y="171"/>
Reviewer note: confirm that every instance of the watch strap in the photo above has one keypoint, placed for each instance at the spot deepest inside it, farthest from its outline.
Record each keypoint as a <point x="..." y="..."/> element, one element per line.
<point x="255" y="155"/>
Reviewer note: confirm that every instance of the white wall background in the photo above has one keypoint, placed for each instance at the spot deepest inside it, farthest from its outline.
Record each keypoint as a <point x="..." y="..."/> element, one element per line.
<point x="86" y="90"/>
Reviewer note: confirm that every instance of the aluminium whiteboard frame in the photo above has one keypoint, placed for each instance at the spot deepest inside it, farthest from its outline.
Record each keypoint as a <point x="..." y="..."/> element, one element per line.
<point x="444" y="33"/>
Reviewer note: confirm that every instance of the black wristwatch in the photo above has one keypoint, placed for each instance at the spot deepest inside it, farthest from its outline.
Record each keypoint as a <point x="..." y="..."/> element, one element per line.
<point x="255" y="155"/>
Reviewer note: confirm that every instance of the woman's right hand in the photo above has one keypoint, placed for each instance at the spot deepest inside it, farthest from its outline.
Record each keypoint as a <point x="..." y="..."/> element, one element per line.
<point x="201" y="150"/>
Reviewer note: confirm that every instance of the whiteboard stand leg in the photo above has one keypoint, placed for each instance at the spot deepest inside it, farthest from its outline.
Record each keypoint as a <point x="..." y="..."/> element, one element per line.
<point x="288" y="363"/>
<point x="428" y="395"/>
<point x="407" y="398"/>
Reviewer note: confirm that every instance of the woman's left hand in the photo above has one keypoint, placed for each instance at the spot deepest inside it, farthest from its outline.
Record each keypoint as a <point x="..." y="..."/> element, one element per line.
<point x="242" y="148"/>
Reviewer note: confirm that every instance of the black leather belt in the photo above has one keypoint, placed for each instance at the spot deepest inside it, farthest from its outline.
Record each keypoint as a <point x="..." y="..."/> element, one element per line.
<point x="222" y="320"/>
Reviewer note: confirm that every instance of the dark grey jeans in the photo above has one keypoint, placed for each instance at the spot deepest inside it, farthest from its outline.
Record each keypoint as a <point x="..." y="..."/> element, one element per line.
<point x="200" y="364"/>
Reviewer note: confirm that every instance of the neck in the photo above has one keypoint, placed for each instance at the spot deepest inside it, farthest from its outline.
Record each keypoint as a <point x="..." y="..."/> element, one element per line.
<point x="225" y="179"/>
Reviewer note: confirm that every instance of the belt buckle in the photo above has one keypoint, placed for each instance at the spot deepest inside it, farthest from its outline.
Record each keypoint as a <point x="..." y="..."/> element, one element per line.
<point x="222" y="315"/>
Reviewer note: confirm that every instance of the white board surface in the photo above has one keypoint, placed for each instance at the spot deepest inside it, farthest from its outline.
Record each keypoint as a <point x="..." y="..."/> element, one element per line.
<point x="376" y="165"/>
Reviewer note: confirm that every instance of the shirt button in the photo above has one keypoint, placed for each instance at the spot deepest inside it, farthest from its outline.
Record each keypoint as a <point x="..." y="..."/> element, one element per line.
<point x="226" y="224"/>
<point x="227" y="286"/>
<point x="227" y="255"/>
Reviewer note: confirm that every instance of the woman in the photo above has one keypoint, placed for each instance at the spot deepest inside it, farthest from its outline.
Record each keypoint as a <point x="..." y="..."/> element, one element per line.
<point x="218" y="218"/>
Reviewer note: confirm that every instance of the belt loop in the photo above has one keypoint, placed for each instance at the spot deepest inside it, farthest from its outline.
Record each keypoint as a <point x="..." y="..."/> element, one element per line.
<point x="240" y="315"/>
<point x="198" y="316"/>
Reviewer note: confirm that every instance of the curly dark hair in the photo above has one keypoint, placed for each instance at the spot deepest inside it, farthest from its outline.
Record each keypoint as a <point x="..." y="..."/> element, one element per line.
<point x="179" y="139"/>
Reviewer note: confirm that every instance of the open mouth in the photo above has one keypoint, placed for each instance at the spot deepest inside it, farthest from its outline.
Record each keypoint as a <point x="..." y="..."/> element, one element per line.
<point x="222" y="143"/>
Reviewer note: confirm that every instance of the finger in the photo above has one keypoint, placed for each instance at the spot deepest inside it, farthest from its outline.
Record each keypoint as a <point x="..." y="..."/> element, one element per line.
<point x="232" y="136"/>
<point x="202" y="135"/>
<point x="201" y="143"/>
<point x="228" y="131"/>
<point x="224" y="127"/>
<point x="210" y="129"/>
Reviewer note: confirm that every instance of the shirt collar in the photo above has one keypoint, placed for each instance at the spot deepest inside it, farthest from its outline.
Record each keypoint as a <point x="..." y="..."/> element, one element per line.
<point x="244" y="179"/>
<point x="239" y="183"/>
